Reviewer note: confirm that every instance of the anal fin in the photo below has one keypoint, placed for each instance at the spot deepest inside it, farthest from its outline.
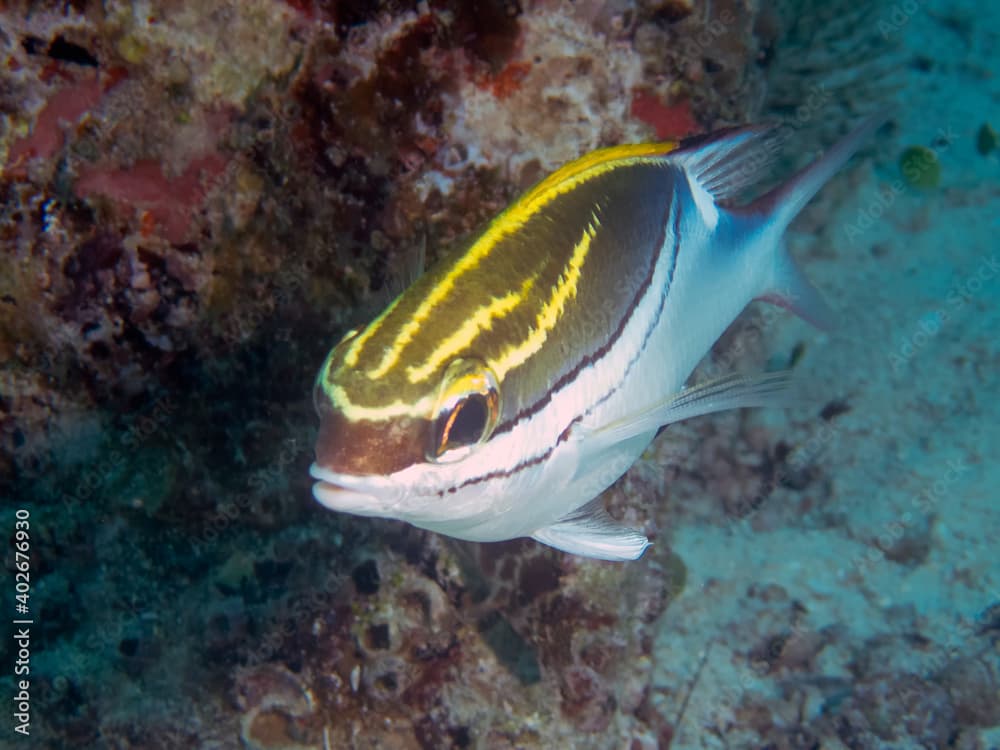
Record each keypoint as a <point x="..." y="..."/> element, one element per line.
<point x="589" y="531"/>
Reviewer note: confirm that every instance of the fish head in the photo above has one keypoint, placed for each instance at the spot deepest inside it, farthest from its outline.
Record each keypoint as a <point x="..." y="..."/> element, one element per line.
<point x="393" y="448"/>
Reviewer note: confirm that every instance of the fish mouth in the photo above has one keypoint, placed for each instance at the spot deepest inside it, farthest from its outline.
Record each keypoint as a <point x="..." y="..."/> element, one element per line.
<point x="361" y="495"/>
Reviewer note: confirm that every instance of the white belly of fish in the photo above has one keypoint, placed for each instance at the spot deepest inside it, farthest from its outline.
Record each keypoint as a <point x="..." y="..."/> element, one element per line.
<point x="694" y="316"/>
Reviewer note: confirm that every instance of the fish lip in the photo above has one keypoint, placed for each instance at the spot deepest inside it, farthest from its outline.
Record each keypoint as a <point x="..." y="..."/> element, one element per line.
<point x="362" y="495"/>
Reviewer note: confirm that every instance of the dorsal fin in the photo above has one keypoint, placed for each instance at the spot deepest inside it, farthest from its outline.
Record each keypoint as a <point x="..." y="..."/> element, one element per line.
<point x="784" y="202"/>
<point x="729" y="161"/>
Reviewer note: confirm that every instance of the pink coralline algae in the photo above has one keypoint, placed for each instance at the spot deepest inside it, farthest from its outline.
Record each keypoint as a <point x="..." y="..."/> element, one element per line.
<point x="669" y="121"/>
<point x="63" y="110"/>
<point x="142" y="187"/>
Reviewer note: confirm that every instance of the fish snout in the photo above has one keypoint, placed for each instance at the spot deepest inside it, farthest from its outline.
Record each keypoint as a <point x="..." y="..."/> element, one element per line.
<point x="366" y="496"/>
<point x="362" y="447"/>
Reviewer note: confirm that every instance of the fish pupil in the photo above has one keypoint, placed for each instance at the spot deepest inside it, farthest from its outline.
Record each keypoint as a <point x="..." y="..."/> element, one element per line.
<point x="465" y="424"/>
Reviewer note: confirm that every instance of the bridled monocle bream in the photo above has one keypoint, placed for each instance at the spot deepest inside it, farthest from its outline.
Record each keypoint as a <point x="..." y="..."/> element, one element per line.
<point x="512" y="383"/>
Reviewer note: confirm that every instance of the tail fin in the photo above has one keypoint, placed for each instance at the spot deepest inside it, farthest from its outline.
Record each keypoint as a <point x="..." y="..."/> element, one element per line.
<point x="783" y="204"/>
<point x="789" y="288"/>
<point x="769" y="216"/>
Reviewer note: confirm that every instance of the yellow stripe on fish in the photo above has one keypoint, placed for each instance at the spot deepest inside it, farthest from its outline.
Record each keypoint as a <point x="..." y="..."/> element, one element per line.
<point x="553" y="308"/>
<point x="567" y="178"/>
<point x="481" y="320"/>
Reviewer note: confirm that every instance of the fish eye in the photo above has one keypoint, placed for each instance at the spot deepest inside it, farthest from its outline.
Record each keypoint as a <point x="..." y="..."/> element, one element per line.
<point x="466" y="412"/>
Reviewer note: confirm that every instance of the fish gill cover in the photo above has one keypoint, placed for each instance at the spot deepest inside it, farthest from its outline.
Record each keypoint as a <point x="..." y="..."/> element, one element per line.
<point x="198" y="200"/>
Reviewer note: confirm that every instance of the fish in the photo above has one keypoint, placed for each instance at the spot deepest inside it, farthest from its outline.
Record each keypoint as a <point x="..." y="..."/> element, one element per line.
<point x="503" y="391"/>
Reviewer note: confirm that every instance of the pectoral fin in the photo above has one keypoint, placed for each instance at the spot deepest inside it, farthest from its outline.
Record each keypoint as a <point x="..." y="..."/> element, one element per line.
<point x="591" y="532"/>
<point x="733" y="391"/>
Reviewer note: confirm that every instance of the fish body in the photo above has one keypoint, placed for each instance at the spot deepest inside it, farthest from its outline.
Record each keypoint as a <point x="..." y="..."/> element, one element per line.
<point x="510" y="385"/>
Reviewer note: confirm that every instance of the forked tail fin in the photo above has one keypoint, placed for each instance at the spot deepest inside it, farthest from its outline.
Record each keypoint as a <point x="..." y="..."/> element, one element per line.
<point x="767" y="218"/>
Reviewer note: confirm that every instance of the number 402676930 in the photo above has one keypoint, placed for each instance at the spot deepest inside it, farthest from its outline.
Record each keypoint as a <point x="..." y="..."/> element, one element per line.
<point x="22" y="561"/>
